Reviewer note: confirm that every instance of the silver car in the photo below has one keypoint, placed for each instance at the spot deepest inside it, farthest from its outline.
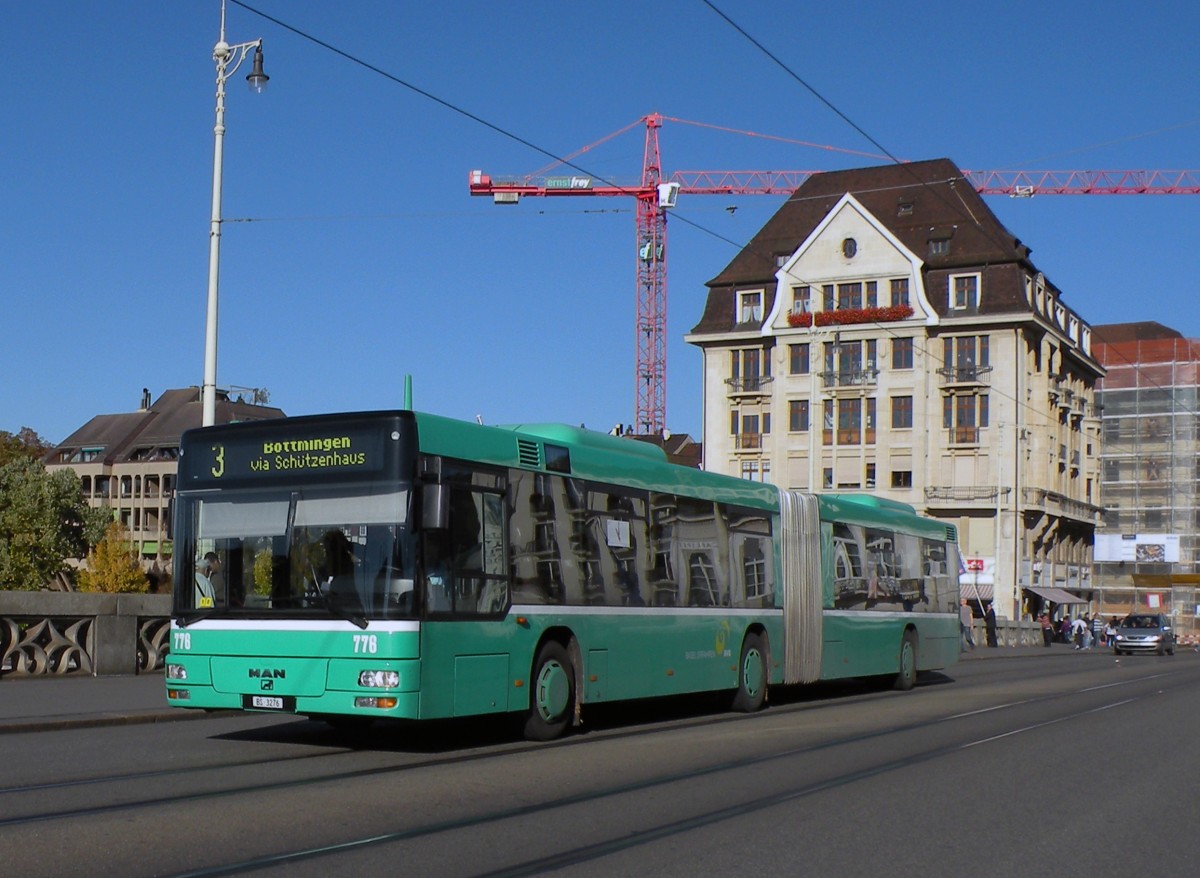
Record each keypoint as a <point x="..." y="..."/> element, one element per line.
<point x="1144" y="632"/>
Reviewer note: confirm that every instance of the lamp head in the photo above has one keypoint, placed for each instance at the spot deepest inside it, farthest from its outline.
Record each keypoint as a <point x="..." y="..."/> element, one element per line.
<point x="256" y="78"/>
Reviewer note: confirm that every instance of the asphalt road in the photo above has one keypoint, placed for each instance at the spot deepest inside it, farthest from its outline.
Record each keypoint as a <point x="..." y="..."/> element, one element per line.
<point x="1056" y="764"/>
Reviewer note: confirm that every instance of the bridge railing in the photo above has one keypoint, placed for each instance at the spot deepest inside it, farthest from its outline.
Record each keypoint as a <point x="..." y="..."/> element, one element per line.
<point x="43" y="632"/>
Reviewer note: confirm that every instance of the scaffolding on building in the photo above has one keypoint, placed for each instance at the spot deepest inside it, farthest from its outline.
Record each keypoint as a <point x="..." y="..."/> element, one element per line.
<point x="1147" y="546"/>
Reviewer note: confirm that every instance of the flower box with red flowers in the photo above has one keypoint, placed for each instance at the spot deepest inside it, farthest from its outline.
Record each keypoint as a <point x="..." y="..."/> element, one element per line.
<point x="850" y="316"/>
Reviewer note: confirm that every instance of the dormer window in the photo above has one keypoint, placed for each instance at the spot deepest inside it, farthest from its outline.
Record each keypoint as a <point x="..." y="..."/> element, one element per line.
<point x="750" y="307"/>
<point x="964" y="292"/>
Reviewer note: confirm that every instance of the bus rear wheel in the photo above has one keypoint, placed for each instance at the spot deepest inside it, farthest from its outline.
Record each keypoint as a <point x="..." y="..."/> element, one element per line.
<point x="552" y="695"/>
<point x="751" y="691"/>
<point x="906" y="677"/>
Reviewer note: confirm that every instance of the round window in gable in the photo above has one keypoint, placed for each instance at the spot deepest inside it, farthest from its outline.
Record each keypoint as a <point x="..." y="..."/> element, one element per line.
<point x="849" y="248"/>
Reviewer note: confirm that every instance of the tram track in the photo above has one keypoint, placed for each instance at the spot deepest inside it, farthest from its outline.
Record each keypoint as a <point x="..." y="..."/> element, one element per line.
<point x="624" y="841"/>
<point x="655" y="780"/>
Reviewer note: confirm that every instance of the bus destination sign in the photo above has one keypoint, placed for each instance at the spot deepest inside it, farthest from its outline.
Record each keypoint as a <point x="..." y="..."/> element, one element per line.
<point x="265" y="456"/>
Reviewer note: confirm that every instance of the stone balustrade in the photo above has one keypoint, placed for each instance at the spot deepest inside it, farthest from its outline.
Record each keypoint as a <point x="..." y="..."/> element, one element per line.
<point x="43" y="632"/>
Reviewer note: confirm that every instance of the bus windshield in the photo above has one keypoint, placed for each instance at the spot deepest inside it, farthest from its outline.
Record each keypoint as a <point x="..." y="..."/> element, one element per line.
<point x="334" y="550"/>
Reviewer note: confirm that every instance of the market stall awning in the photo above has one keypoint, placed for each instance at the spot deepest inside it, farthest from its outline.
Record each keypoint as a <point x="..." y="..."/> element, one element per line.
<point x="1057" y="595"/>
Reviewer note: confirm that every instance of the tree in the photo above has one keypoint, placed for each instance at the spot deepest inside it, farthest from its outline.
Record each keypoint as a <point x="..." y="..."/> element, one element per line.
<point x="25" y="444"/>
<point x="44" y="520"/>
<point x="112" y="566"/>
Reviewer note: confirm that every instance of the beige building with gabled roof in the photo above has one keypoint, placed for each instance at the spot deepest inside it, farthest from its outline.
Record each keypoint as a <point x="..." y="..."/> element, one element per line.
<point x="884" y="332"/>
<point x="128" y="461"/>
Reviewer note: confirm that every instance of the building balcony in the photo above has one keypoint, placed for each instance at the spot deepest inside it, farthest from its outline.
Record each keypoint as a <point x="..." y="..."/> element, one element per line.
<point x="844" y="379"/>
<point x="959" y="375"/>
<point x="848" y="436"/>
<point x="963" y="436"/>
<point x="757" y="385"/>
<point x="962" y="493"/>
<point x="748" y="441"/>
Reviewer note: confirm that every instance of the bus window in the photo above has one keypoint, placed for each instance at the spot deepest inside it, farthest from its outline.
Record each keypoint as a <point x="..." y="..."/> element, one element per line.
<point x="464" y="564"/>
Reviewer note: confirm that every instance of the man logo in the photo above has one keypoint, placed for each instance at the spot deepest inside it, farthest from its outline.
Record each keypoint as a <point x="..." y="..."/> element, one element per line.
<point x="267" y="673"/>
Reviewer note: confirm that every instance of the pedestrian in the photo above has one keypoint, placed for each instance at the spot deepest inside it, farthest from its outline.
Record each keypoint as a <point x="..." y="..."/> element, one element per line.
<point x="1077" y="629"/>
<point x="1047" y="629"/>
<point x="965" y="620"/>
<point x="989" y="622"/>
<point x="1110" y="630"/>
<point x="1097" y="630"/>
<point x="1064" y="630"/>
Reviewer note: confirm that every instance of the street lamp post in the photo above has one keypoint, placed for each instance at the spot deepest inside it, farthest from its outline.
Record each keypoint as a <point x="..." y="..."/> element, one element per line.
<point x="228" y="59"/>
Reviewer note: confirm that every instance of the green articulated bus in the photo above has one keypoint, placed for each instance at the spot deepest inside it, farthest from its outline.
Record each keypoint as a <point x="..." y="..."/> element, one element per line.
<point x="405" y="565"/>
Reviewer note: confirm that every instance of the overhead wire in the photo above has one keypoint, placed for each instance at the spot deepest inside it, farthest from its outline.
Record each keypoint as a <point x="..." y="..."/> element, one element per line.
<point x="567" y="161"/>
<point x="928" y="186"/>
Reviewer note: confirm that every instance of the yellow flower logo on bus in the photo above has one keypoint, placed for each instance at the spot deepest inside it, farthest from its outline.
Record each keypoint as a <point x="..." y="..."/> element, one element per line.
<point x="722" y="638"/>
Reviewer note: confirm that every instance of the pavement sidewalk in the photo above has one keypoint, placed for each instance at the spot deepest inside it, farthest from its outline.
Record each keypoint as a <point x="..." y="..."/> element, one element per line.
<point x="34" y="704"/>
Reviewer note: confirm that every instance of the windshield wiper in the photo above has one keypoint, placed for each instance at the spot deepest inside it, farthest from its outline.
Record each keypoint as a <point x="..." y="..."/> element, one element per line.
<point x="334" y="607"/>
<point x="336" y="610"/>
<point x="185" y="619"/>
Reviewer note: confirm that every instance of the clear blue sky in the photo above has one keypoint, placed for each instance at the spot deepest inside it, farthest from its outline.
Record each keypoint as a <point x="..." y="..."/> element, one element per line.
<point x="369" y="260"/>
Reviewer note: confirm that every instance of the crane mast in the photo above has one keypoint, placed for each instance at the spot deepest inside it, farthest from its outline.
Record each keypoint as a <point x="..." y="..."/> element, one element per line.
<point x="651" y="370"/>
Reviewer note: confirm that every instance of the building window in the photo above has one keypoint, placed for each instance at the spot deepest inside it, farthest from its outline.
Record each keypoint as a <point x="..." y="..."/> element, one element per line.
<point x="963" y="415"/>
<point x="798" y="415"/>
<point x="850" y="362"/>
<point x="756" y="470"/>
<point x="902" y="412"/>
<point x="901" y="478"/>
<point x="849" y="422"/>
<point x="798" y="359"/>
<point x="849" y="296"/>
<point x="939" y="246"/>
<point x="849" y="248"/>
<point x="965" y="357"/>
<point x="899" y="291"/>
<point x="749" y="369"/>
<point x="902" y="353"/>
<point x="871" y="293"/>
<point x="964" y="292"/>
<point x="1112" y="470"/>
<point x="750" y="307"/>
<point x="800" y="299"/>
<point x="870" y="475"/>
<point x="827" y="477"/>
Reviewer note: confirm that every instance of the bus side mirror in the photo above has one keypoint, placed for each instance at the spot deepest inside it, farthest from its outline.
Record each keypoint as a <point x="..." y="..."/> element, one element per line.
<point x="435" y="507"/>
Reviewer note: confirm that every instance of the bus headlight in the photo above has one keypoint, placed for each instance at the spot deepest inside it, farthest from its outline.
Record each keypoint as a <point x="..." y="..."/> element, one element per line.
<point x="176" y="672"/>
<point x="379" y="679"/>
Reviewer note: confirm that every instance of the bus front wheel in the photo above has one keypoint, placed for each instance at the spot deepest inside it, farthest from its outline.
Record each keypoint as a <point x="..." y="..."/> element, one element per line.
<point x="552" y="695"/>
<point x="752" y="676"/>
<point x="906" y="677"/>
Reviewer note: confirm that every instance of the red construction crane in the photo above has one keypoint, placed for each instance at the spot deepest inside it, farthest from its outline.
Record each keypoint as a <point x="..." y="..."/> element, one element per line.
<point x="657" y="194"/>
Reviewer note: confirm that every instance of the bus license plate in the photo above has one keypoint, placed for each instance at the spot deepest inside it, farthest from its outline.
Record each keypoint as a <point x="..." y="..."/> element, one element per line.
<point x="269" y="702"/>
